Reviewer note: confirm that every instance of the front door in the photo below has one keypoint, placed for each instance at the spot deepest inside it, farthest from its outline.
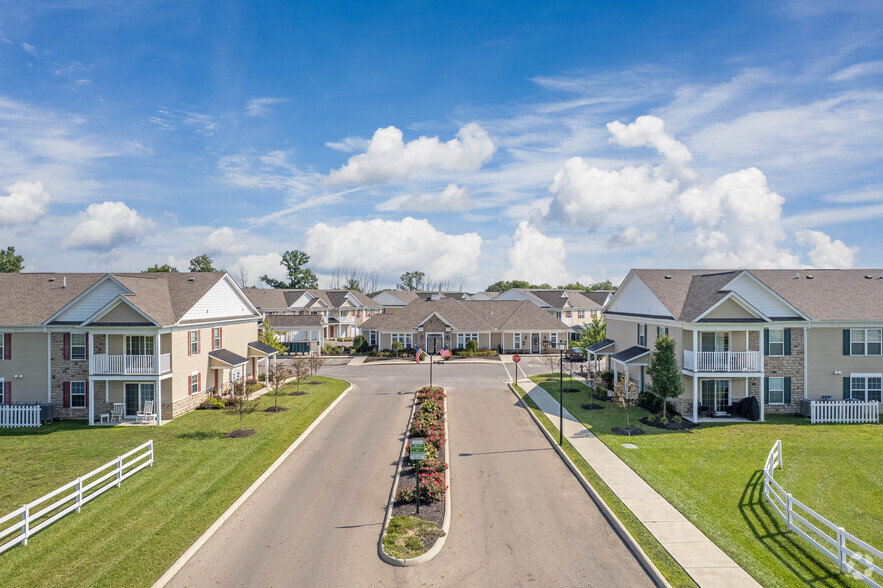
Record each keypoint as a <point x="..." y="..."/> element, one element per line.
<point x="136" y="393"/>
<point x="434" y="342"/>
<point x="716" y="394"/>
<point x="534" y="342"/>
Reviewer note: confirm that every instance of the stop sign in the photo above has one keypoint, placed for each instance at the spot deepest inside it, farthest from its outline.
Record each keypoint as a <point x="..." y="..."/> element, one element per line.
<point x="516" y="358"/>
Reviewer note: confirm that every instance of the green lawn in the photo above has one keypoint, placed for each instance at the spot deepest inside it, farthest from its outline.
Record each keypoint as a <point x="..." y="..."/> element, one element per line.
<point x="131" y="535"/>
<point x="713" y="476"/>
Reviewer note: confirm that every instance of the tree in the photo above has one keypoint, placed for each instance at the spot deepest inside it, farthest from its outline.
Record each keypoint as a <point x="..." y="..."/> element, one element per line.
<point x="316" y="362"/>
<point x="413" y="280"/>
<point x="202" y="263"/>
<point x="665" y="377"/>
<point x="504" y="285"/>
<point x="299" y="277"/>
<point x="605" y="285"/>
<point x="396" y="347"/>
<point x="10" y="263"/>
<point x="574" y="286"/>
<point x="276" y="376"/>
<point x="162" y="269"/>
<point x="595" y="331"/>
<point x="242" y="275"/>
<point x="625" y="395"/>
<point x="243" y="405"/>
<point x="270" y="337"/>
<point x="300" y="369"/>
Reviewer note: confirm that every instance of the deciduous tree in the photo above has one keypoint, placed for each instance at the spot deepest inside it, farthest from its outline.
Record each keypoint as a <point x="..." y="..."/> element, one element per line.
<point x="412" y="280"/>
<point x="10" y="263"/>
<point x="665" y="377"/>
<point x="299" y="276"/>
<point x="202" y="263"/>
<point x="162" y="269"/>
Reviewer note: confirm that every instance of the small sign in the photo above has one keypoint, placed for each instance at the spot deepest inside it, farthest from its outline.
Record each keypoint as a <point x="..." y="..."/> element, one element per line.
<point x="516" y="358"/>
<point x="418" y="450"/>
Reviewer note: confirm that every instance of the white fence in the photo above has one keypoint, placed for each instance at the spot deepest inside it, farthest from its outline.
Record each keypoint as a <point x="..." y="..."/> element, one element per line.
<point x="722" y="361"/>
<point x="19" y="415"/>
<point x="33" y="517"/>
<point x="128" y="365"/>
<point x="844" y="411"/>
<point x="853" y="555"/>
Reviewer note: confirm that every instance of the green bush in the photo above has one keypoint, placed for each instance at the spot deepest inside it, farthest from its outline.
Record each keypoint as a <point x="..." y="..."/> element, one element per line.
<point x="651" y="418"/>
<point x="471" y="346"/>
<point x="262" y="377"/>
<point x="607" y="378"/>
<point x="329" y="349"/>
<point x="663" y="421"/>
<point x="677" y="419"/>
<point x="360" y="344"/>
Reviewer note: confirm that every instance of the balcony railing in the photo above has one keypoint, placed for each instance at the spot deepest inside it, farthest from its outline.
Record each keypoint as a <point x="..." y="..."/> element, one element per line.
<point x="722" y="361"/>
<point x="129" y="365"/>
<point x="347" y="319"/>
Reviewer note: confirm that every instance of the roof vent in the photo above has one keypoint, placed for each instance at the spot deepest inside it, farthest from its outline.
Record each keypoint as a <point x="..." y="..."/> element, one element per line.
<point x="809" y="276"/>
<point x="191" y="279"/>
<point x="869" y="277"/>
<point x="797" y="277"/>
<point x="667" y="277"/>
<point x="52" y="279"/>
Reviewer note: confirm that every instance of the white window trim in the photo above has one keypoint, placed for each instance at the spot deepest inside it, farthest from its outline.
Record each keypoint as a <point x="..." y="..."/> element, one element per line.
<point x="128" y="340"/>
<point x="406" y="339"/>
<point x="516" y="340"/>
<point x="865" y="342"/>
<point x="216" y="339"/>
<point x="85" y="343"/>
<point x="193" y="342"/>
<point x="642" y="334"/>
<point x="463" y="338"/>
<point x="2" y="390"/>
<point x="865" y="377"/>
<point x="2" y="347"/>
<point x="782" y="343"/>
<point x="580" y="314"/>
<point x="770" y="390"/>
<point x="194" y="381"/>
<point x="83" y="382"/>
<point x="553" y="339"/>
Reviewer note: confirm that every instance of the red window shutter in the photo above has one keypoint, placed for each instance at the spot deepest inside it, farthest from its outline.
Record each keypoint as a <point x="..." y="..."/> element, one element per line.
<point x="66" y="347"/>
<point x="221" y="337"/>
<point x="7" y="393"/>
<point x="199" y="382"/>
<point x="189" y="348"/>
<point x="189" y="385"/>
<point x="66" y="395"/>
<point x="198" y="342"/>
<point x="87" y="394"/>
<point x="7" y="346"/>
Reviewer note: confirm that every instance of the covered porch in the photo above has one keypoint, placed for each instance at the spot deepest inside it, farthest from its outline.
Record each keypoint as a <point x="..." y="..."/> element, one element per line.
<point x="261" y="355"/>
<point x="631" y="363"/>
<point x="596" y="351"/>
<point x="717" y="398"/>
<point x="129" y="399"/>
<point x="227" y="368"/>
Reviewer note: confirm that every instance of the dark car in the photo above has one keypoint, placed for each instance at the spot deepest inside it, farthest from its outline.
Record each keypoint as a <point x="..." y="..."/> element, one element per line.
<point x="575" y="354"/>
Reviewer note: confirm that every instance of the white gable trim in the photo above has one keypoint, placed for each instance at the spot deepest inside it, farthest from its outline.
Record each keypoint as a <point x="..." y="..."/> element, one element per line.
<point x="302" y="301"/>
<point x="237" y="291"/>
<point x="85" y="294"/>
<point x="113" y="304"/>
<point x="738" y="300"/>
<point x="623" y="290"/>
<point x="434" y="313"/>
<point x="767" y="289"/>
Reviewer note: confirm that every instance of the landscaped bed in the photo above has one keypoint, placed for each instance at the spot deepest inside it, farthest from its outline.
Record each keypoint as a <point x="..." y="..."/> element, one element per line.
<point x="712" y="474"/>
<point x="131" y="535"/>
<point x="401" y="535"/>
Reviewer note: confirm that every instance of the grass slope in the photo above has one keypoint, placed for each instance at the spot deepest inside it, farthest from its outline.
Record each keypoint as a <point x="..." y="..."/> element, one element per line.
<point x="131" y="535"/>
<point x="713" y="476"/>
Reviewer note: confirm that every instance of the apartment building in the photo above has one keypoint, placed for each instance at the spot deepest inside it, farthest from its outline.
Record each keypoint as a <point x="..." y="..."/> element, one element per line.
<point x="342" y="311"/>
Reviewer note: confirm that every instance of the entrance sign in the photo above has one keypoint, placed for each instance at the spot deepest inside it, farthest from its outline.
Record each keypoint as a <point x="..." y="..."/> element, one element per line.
<point x="418" y="450"/>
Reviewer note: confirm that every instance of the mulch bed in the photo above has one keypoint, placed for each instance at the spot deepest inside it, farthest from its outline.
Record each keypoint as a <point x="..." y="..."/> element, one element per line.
<point x="671" y="426"/>
<point x="434" y="511"/>
<point x="240" y="434"/>
<point x="276" y="409"/>
<point x="296" y="393"/>
<point x="591" y="406"/>
<point x="603" y="397"/>
<point x="315" y="383"/>
<point x="630" y="431"/>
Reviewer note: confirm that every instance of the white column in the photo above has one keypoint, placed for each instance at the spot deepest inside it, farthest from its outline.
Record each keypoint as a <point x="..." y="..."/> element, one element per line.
<point x="695" y="392"/>
<point x="762" y="374"/>
<point x="158" y="400"/>
<point x="107" y="390"/>
<point x="91" y="401"/>
<point x="805" y="381"/>
<point x="695" y="351"/>
<point x="746" y="379"/>
<point x="49" y="365"/>
<point x="615" y="375"/>
<point x="157" y="351"/>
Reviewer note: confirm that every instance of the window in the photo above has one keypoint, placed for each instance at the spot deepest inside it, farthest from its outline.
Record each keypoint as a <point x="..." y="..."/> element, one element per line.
<point x="216" y="338"/>
<point x="866" y="341"/>
<point x="406" y="339"/>
<point x="581" y="314"/>
<point x="194" y="383"/>
<point x="2" y="387"/>
<point x="777" y="341"/>
<point x="2" y="348"/>
<point x="516" y="341"/>
<point x="553" y="339"/>
<point x="557" y="315"/>
<point x="642" y="335"/>
<point x="139" y="345"/>
<point x="866" y="386"/>
<point x="568" y="314"/>
<point x="660" y="331"/>
<point x="78" y="394"/>
<point x="462" y="338"/>
<point x="776" y="392"/>
<point x="78" y="345"/>
<point x="194" y="342"/>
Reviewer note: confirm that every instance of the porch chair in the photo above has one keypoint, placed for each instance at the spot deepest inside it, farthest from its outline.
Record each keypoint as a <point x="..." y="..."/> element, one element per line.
<point x="117" y="413"/>
<point x="147" y="415"/>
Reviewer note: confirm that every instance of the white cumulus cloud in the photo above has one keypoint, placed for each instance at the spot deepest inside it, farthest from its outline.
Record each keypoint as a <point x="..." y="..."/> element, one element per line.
<point x="261" y="106"/>
<point x="255" y="266"/>
<point x="27" y="202"/>
<point x="632" y="236"/>
<point x="536" y="257"/>
<point x="389" y="158"/>
<point x="827" y="252"/>
<point x="453" y="197"/>
<point x="392" y="247"/>
<point x="738" y="222"/>
<point x="223" y="241"/>
<point x="106" y="226"/>
<point x="649" y="131"/>
<point x="585" y="196"/>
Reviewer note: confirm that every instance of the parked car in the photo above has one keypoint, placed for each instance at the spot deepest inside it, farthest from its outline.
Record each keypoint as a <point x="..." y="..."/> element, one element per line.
<point x="575" y="354"/>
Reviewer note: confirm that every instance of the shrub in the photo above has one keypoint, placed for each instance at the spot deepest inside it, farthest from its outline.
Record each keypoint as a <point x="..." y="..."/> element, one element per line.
<point x="329" y="349"/>
<point x="471" y="346"/>
<point x="432" y="488"/>
<point x="262" y="377"/>
<point x="663" y="421"/>
<point x="427" y="393"/>
<point x="607" y="379"/>
<point x="360" y="344"/>
<point x="677" y="419"/>
<point x="651" y="419"/>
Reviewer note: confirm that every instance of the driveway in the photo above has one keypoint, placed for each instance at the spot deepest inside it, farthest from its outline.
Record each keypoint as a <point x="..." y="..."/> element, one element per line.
<point x="519" y="516"/>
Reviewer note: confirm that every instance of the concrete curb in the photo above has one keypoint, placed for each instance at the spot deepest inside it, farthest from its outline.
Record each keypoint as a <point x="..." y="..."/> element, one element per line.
<point x="412" y="362"/>
<point x="611" y="517"/>
<point x="446" y="524"/>
<point x="191" y="551"/>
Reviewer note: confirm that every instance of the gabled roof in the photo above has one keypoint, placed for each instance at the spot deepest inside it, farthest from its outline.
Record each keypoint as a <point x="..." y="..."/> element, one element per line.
<point x="228" y="357"/>
<point x="296" y="320"/>
<point x="469" y="315"/>
<point x="263" y="347"/>
<point x="630" y="354"/>
<point x="277" y="298"/>
<point x="31" y="299"/>
<point x="599" y="297"/>
<point x="603" y="344"/>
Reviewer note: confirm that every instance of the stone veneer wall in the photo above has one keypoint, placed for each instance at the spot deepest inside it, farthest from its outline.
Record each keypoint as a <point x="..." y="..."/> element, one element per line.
<point x="69" y="370"/>
<point x="184" y="405"/>
<point x="783" y="366"/>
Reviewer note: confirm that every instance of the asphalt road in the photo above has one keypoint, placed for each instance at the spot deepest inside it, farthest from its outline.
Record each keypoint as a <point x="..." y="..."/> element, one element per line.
<point x="519" y="516"/>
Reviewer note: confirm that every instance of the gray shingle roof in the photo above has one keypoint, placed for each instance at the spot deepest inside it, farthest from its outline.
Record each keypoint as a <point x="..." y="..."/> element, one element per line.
<point x="470" y="315"/>
<point x="261" y="346"/>
<point x="629" y="354"/>
<point x="228" y="357"/>
<point x="296" y="320"/>
<point x="603" y="344"/>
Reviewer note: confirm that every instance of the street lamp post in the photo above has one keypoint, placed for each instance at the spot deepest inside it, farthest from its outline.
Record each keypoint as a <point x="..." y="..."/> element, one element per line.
<point x="560" y="345"/>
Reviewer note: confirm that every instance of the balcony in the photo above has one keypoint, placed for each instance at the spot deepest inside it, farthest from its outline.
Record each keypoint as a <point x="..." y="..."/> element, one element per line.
<point x="722" y="361"/>
<point x="346" y="319"/>
<point x="129" y="365"/>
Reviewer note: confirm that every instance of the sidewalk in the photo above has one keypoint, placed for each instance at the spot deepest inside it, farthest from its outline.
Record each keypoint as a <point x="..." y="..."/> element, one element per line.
<point x="701" y="559"/>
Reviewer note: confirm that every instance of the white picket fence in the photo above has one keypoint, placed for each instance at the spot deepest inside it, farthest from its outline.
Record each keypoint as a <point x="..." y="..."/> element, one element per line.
<point x="854" y="556"/>
<point x="844" y="411"/>
<point x="19" y="415"/>
<point x="32" y="517"/>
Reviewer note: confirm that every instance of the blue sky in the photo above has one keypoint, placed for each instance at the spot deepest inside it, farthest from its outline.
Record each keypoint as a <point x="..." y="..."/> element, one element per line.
<point x="474" y="141"/>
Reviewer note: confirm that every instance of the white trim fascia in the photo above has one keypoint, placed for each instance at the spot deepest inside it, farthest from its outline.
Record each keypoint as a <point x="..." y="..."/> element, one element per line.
<point x="434" y="313"/>
<point x="190" y="326"/>
<point x="239" y="292"/>
<point x="738" y="300"/>
<point x="643" y="319"/>
<point x="844" y="324"/>
<point x="85" y="293"/>
<point x="625" y="281"/>
<point x="768" y="289"/>
<point x="110" y="306"/>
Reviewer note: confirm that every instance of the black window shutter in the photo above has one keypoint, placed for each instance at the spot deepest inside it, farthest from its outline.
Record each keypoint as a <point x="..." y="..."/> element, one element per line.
<point x="766" y="390"/>
<point x="846" y="342"/>
<point x="787" y="341"/>
<point x="638" y="336"/>
<point x="787" y="390"/>
<point x="766" y="342"/>
<point x="846" y="389"/>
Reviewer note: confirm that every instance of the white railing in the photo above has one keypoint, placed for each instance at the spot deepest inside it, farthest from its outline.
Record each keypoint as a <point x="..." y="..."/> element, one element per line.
<point x="19" y="415"/>
<point x="32" y="517"/>
<point x="128" y="365"/>
<point x="844" y="411"/>
<point x="853" y="555"/>
<point x="722" y="361"/>
<point x="344" y="319"/>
